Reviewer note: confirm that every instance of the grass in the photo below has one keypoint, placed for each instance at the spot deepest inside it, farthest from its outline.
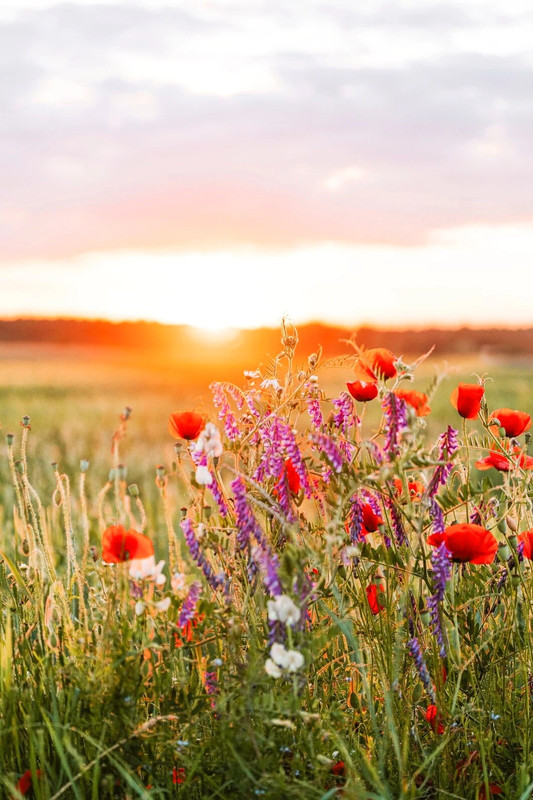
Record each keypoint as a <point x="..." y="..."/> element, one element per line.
<point x="106" y="693"/>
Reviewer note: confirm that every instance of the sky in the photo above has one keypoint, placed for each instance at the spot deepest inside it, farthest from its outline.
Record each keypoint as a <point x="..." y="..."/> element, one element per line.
<point x="227" y="162"/>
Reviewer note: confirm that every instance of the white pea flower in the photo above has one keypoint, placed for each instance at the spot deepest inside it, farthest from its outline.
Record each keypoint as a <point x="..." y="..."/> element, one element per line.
<point x="203" y="476"/>
<point x="271" y="383"/>
<point x="272" y="669"/>
<point x="283" y="609"/>
<point x="146" y="569"/>
<point x="209" y="441"/>
<point x="139" y="607"/>
<point x="178" y="582"/>
<point x="163" y="605"/>
<point x="294" y="660"/>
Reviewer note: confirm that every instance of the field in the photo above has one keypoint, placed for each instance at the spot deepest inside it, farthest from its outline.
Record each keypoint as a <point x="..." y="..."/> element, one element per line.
<point x="295" y="649"/>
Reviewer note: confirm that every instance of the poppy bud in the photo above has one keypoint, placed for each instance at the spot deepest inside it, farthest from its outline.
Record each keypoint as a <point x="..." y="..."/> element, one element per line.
<point x="512" y="523"/>
<point x="503" y="552"/>
<point x="9" y="439"/>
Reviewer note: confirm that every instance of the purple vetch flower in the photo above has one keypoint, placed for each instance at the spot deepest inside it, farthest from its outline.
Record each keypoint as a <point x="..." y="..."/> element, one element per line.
<point x="216" y="491"/>
<point x="247" y="525"/>
<point x="211" y="683"/>
<point x="282" y="492"/>
<point x="188" y="608"/>
<point x="344" y="416"/>
<point x="215" y="581"/>
<point x="414" y="648"/>
<point x="355" y="520"/>
<point x="396" y="522"/>
<point x="268" y="564"/>
<point x="303" y="589"/>
<point x="313" y="404"/>
<point x="224" y="411"/>
<point x="330" y="450"/>
<point x="292" y="452"/>
<point x="395" y="413"/>
<point x="447" y="444"/>
<point x="475" y="516"/>
<point x="440" y="561"/>
<point x="437" y="516"/>
<point x="277" y="632"/>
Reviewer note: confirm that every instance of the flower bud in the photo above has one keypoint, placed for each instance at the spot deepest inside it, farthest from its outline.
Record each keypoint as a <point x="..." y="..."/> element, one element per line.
<point x="512" y="522"/>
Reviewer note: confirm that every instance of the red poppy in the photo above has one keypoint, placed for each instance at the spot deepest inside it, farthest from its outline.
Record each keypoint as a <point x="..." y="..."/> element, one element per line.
<point x="372" y="597"/>
<point x="416" y="489"/>
<point x="417" y="400"/>
<point x="338" y="768"/>
<point x="466" y="398"/>
<point x="292" y="477"/>
<point x="120" y="545"/>
<point x="24" y="783"/>
<point x="432" y="716"/>
<point x="185" y="425"/>
<point x="376" y="363"/>
<point x="363" y="391"/>
<point x="494" y="789"/>
<point x="514" y="422"/>
<point x="527" y="538"/>
<point x="371" y="520"/>
<point x="467" y="542"/>
<point x="178" y="775"/>
<point x="501" y="462"/>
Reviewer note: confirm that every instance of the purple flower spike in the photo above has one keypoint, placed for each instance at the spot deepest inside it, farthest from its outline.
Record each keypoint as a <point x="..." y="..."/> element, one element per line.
<point x="414" y="648"/>
<point x="330" y="450"/>
<point x="313" y="404"/>
<point x="395" y="411"/>
<point x="188" y="608"/>
<point x="396" y="522"/>
<point x="215" y="581"/>
<point x="440" y="561"/>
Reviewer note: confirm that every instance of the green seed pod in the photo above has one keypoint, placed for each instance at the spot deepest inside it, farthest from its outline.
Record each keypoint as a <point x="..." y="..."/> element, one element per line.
<point x="10" y="437"/>
<point x="160" y="471"/>
<point x="207" y="512"/>
<point x="122" y="472"/>
<point x="25" y="421"/>
<point x="19" y="466"/>
<point x="425" y="617"/>
<point x="111" y="476"/>
<point x="513" y="541"/>
<point x="133" y="490"/>
<point x="84" y="465"/>
<point x="515" y="580"/>
<point x="504" y="552"/>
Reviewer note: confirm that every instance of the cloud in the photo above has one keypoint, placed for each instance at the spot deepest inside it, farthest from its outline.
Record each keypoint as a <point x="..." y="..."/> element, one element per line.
<point x="216" y="125"/>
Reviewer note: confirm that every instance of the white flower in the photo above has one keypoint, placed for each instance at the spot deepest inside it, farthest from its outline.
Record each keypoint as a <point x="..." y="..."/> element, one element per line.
<point x="283" y="609"/>
<point x="271" y="383"/>
<point x="203" y="476"/>
<point x="163" y="604"/>
<point x="272" y="669"/>
<point x="252" y="375"/>
<point x="178" y="582"/>
<point x="146" y="569"/>
<point x="139" y="607"/>
<point x="290" y="660"/>
<point x="209" y="441"/>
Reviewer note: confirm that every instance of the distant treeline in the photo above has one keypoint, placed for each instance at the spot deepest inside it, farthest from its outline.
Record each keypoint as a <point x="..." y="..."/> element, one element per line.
<point x="149" y="335"/>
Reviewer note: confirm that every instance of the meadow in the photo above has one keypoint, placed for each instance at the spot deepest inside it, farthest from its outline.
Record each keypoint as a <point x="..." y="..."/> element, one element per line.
<point x="303" y="638"/>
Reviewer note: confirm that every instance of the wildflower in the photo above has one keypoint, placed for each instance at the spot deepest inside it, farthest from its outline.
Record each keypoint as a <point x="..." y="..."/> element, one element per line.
<point x="120" y="545"/>
<point x="215" y="581"/>
<point x="503" y="463"/>
<point x="396" y="522"/>
<point x="466" y="399"/>
<point x="448" y="444"/>
<point x="527" y="539"/>
<point x="283" y="609"/>
<point x="268" y="563"/>
<point x="224" y="411"/>
<point x="432" y="716"/>
<point x="395" y="421"/>
<point x="440" y="561"/>
<point x="271" y="383"/>
<point x="415" y="488"/>
<point x="145" y="569"/>
<point x="372" y="597"/>
<point x="467" y="542"/>
<point x="178" y="775"/>
<point x="416" y="400"/>
<point x="162" y="605"/>
<point x="188" y="609"/>
<point x="363" y="391"/>
<point x="414" y="648"/>
<point x="330" y="450"/>
<point x="371" y="520"/>
<point x="289" y="660"/>
<point x="139" y="608"/>
<point x="338" y="768"/>
<point x="513" y="422"/>
<point x="375" y="363"/>
<point x="209" y="441"/>
<point x="185" y="425"/>
<point x="313" y="403"/>
<point x="203" y="476"/>
<point x="292" y="477"/>
<point x="177" y="582"/>
<point x="24" y="783"/>
<point x="494" y="789"/>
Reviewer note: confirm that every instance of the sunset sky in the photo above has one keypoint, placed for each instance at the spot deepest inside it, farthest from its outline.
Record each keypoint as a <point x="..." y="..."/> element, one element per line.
<point x="226" y="162"/>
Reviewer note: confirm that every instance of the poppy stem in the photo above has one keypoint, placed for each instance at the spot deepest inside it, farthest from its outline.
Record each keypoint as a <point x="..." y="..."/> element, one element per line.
<point x="467" y="468"/>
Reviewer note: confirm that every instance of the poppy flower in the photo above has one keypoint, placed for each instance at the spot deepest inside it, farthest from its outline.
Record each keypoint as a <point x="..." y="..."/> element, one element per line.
<point x="467" y="542"/>
<point x="372" y="597"/>
<point x="417" y="400"/>
<point x="501" y="462"/>
<point x="24" y="783"/>
<point x="371" y="520"/>
<point x="185" y="425"/>
<point x="527" y="538"/>
<point x="338" y="768"/>
<point x="466" y="399"/>
<point x="432" y="716"/>
<point x="178" y="775"/>
<point x="514" y="422"/>
<point x="292" y="477"/>
<point x="363" y="391"/>
<point x="416" y="488"/>
<point x="371" y="365"/>
<point x="494" y="789"/>
<point x="120" y="545"/>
